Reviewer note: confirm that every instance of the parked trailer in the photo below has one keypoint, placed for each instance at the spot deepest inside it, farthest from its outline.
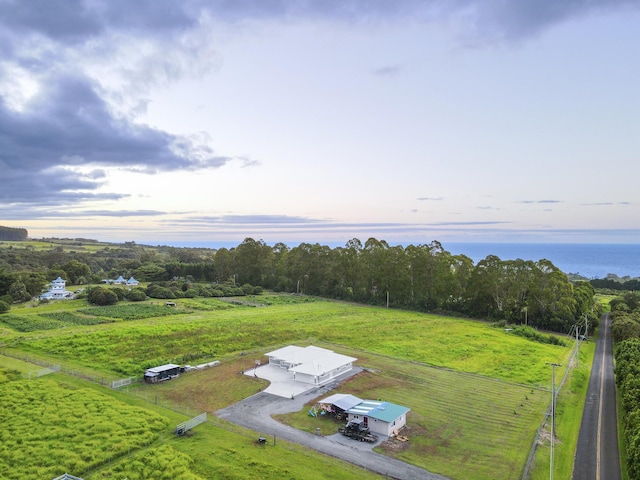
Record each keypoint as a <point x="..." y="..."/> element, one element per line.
<point x="355" y="429"/>
<point x="161" y="373"/>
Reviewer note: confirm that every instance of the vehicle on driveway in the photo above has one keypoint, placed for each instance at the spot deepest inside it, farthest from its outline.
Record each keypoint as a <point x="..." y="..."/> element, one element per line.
<point x="355" y="429"/>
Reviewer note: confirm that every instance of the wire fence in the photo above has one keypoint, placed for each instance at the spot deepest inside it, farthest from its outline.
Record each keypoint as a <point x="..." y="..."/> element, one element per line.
<point x="536" y="441"/>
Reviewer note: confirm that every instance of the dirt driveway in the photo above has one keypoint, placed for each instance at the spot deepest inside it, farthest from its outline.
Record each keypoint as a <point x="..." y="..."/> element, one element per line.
<point x="255" y="413"/>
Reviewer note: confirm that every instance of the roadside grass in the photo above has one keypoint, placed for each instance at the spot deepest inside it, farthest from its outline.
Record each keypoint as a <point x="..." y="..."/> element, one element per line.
<point x="569" y="408"/>
<point x="604" y="301"/>
<point x="460" y="425"/>
<point x="126" y="349"/>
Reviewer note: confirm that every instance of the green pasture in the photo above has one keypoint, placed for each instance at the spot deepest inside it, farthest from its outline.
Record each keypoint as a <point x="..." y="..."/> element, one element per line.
<point x="49" y="428"/>
<point x="461" y="425"/>
<point x="127" y="348"/>
<point x="66" y="245"/>
<point x="477" y="393"/>
<point x="61" y="424"/>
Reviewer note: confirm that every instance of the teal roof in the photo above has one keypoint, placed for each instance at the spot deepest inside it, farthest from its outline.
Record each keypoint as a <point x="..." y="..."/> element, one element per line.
<point x="385" y="411"/>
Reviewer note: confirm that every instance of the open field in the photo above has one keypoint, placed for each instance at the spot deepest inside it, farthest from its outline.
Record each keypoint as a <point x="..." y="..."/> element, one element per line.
<point x="473" y="419"/>
<point x="460" y="425"/>
<point x="63" y="424"/>
<point x="213" y="328"/>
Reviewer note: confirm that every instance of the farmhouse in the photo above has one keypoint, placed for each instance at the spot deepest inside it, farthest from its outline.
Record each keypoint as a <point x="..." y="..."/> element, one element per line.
<point x="312" y="365"/>
<point x="384" y="418"/>
<point x="57" y="290"/>
<point x="163" y="372"/>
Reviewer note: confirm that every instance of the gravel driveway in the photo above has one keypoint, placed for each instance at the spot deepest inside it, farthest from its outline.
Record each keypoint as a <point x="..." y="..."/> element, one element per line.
<point x="255" y="413"/>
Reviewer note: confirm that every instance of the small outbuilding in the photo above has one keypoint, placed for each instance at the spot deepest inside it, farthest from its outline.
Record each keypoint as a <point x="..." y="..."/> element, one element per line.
<point x="163" y="372"/>
<point x="384" y="418"/>
<point x="337" y="405"/>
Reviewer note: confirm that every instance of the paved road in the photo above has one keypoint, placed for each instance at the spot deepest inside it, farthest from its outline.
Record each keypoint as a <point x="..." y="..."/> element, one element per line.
<point x="255" y="413"/>
<point x="597" y="454"/>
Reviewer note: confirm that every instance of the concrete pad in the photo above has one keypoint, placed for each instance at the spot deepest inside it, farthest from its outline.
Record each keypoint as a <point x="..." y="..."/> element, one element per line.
<point x="281" y="381"/>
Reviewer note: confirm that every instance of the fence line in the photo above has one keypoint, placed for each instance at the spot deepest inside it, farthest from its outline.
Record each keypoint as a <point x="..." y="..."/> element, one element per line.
<point x="534" y="447"/>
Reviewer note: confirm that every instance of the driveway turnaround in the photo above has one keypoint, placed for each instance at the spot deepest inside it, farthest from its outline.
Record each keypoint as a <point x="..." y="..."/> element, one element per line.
<point x="255" y="413"/>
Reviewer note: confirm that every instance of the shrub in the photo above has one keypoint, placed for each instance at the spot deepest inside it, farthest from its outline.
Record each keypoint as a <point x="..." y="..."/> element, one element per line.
<point x="136" y="295"/>
<point x="102" y="296"/>
<point x="156" y="291"/>
<point x="4" y="306"/>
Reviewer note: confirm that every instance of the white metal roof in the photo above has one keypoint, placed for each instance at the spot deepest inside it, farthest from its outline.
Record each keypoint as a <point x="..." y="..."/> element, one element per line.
<point x="311" y="360"/>
<point x="343" y="401"/>
<point x="162" y="368"/>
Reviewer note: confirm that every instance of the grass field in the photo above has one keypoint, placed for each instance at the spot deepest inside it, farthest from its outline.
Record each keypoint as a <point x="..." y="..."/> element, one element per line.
<point x="127" y="349"/>
<point x="477" y="393"/>
<point x="461" y="425"/>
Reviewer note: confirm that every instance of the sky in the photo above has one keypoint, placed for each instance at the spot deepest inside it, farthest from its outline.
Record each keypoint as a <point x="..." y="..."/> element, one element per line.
<point x="204" y="122"/>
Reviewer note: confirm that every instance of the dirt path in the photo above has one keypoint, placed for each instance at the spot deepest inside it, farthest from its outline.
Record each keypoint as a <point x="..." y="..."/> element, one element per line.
<point x="255" y="413"/>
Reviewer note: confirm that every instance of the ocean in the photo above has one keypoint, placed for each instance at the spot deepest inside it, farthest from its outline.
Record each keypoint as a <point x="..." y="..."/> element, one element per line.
<point x="588" y="260"/>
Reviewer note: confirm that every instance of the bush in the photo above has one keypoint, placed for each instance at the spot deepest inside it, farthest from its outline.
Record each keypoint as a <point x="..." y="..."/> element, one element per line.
<point x="156" y="291"/>
<point x="102" y="296"/>
<point x="137" y="295"/>
<point x="4" y="306"/>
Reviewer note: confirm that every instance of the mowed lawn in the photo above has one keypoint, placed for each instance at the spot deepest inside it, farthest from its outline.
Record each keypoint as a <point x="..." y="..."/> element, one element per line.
<point x="461" y="425"/>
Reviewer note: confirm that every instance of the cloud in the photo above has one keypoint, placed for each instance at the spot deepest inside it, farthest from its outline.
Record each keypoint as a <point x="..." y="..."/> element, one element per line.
<point x="67" y="125"/>
<point x="388" y="71"/>
<point x="74" y="75"/>
<point x="599" y="204"/>
<point x="541" y="201"/>
<point x="429" y="199"/>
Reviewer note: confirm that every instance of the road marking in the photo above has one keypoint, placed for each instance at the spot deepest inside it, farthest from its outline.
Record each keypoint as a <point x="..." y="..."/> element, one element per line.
<point x="604" y="350"/>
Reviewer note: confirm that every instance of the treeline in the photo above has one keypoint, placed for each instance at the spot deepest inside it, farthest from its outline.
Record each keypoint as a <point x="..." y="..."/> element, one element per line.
<point x="625" y="331"/>
<point x="8" y="234"/>
<point x="627" y="371"/>
<point x="417" y="277"/>
<point x="616" y="285"/>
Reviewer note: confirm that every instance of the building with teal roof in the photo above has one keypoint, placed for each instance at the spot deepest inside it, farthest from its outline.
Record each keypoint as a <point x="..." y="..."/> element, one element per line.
<point x="384" y="418"/>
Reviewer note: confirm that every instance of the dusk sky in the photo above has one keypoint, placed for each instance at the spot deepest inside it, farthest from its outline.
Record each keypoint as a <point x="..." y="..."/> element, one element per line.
<point x="318" y="121"/>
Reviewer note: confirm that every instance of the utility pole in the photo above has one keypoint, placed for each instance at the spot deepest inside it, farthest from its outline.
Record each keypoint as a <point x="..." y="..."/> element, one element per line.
<point x="553" y="413"/>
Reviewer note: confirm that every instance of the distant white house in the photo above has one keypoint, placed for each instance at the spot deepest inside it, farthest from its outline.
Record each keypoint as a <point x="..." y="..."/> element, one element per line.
<point x="384" y="418"/>
<point x="57" y="291"/>
<point x="313" y="365"/>
<point x="121" y="281"/>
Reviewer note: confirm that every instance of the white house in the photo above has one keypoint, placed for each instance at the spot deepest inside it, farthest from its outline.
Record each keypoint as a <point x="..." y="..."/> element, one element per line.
<point x="313" y="365"/>
<point x="57" y="290"/>
<point x="384" y="418"/>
